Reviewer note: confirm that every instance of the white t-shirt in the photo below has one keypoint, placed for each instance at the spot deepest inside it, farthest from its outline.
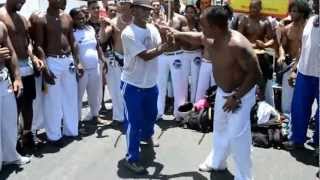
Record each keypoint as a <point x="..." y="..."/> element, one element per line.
<point x="86" y="39"/>
<point x="136" y="71"/>
<point x="309" y="62"/>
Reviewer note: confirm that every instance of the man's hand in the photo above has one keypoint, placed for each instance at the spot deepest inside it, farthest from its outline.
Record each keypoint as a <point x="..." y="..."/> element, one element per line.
<point x="281" y="60"/>
<point x="163" y="28"/>
<point x="292" y="79"/>
<point x="18" y="87"/>
<point x="38" y="63"/>
<point x="80" y="70"/>
<point x="5" y="54"/>
<point x="104" y="22"/>
<point x="260" y="44"/>
<point x="232" y="104"/>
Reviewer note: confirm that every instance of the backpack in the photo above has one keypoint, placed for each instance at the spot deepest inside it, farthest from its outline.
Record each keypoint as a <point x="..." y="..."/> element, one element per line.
<point x="201" y="120"/>
<point x="269" y="133"/>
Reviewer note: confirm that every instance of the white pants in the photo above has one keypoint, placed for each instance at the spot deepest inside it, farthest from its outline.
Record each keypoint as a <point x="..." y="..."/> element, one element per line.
<point x="177" y="66"/>
<point x="287" y="94"/>
<point x="38" y="109"/>
<point x="92" y="83"/>
<point x="61" y="101"/>
<point x="8" y="124"/>
<point x="205" y="81"/>
<point x="232" y="135"/>
<point x="113" y="78"/>
<point x="193" y="59"/>
<point x="269" y="94"/>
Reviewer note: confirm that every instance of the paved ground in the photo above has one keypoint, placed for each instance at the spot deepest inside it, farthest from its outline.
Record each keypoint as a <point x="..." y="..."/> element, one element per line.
<point x="99" y="156"/>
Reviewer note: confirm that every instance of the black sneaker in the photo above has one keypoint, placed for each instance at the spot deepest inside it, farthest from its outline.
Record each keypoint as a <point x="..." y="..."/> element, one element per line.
<point x="135" y="167"/>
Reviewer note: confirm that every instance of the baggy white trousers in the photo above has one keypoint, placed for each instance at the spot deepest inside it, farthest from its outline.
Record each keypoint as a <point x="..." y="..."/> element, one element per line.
<point x="205" y="81"/>
<point x="113" y="78"/>
<point x="38" y="106"/>
<point x="61" y="101"/>
<point x="8" y="124"/>
<point x="287" y="94"/>
<point x="193" y="59"/>
<point x="232" y="135"/>
<point x="91" y="82"/>
<point x="176" y="65"/>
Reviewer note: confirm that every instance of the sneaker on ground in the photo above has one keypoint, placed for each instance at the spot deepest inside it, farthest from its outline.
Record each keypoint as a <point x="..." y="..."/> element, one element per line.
<point x="135" y="167"/>
<point x="21" y="161"/>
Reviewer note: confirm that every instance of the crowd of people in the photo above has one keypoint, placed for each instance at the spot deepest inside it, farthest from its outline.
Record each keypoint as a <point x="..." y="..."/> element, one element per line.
<point x="150" y="55"/>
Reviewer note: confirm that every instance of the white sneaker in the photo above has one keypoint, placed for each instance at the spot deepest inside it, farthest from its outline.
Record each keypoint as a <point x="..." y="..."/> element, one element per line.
<point x="205" y="168"/>
<point x="21" y="161"/>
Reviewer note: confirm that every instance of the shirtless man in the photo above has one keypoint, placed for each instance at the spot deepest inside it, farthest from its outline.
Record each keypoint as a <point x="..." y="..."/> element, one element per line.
<point x="8" y="111"/>
<point x="111" y="8"/>
<point x="113" y="29"/>
<point x="236" y="73"/>
<point x="290" y="47"/>
<point x="55" y="42"/>
<point x="157" y="15"/>
<point x="192" y="53"/>
<point x="18" y="27"/>
<point x="258" y="30"/>
<point x="94" y="9"/>
<point x="172" y="61"/>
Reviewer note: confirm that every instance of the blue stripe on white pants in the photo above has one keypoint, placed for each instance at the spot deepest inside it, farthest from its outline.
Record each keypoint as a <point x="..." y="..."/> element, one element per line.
<point x="305" y="92"/>
<point x="140" y="115"/>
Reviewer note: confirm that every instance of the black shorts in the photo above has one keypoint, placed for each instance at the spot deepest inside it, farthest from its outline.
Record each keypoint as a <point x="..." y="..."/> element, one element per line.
<point x="29" y="91"/>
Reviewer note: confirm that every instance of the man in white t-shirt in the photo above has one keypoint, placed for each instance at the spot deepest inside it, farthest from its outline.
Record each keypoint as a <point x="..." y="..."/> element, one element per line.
<point x="142" y="45"/>
<point x="307" y="84"/>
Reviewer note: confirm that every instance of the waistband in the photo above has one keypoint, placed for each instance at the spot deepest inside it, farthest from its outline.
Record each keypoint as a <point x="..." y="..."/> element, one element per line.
<point x="252" y="91"/>
<point x="173" y="53"/>
<point x="193" y="51"/>
<point x="60" y="56"/>
<point x="118" y="55"/>
<point x="206" y="60"/>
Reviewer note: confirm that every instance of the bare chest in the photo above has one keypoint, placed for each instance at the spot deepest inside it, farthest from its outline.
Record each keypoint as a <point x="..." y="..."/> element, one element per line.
<point x="57" y="26"/>
<point x="294" y="34"/>
<point x="16" y="26"/>
<point x="255" y="28"/>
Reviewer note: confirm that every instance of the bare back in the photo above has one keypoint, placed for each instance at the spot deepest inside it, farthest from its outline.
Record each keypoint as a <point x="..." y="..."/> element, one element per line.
<point x="17" y="27"/>
<point x="227" y="59"/>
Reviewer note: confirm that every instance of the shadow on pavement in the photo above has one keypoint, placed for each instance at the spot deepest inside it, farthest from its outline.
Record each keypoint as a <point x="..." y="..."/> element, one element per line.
<point x="224" y="175"/>
<point x="305" y="156"/>
<point x="148" y="156"/>
<point x="164" y="125"/>
<point x="9" y="169"/>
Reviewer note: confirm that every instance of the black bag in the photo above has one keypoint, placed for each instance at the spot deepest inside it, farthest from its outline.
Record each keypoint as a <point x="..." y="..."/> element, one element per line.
<point x="265" y="136"/>
<point x="200" y="121"/>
